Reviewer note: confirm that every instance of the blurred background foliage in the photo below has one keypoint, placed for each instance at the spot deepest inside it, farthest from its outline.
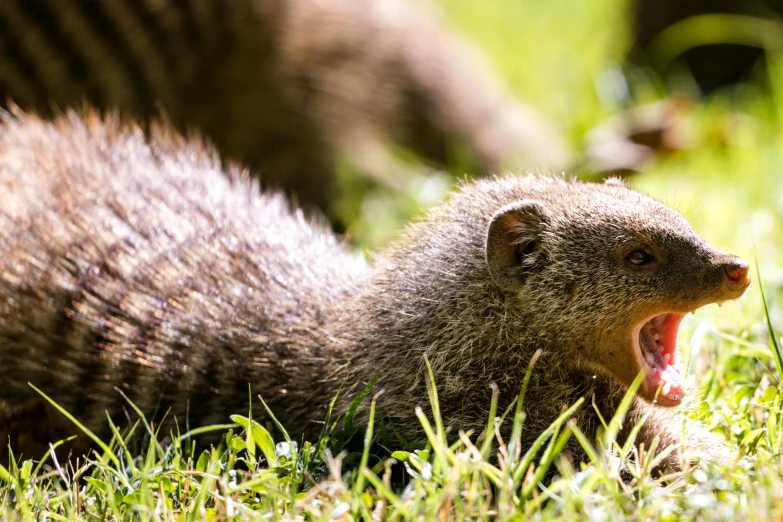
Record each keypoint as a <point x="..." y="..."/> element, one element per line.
<point x="568" y="59"/>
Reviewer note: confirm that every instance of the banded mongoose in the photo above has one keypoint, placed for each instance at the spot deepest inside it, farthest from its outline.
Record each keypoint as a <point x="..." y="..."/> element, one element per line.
<point x="284" y="86"/>
<point x="136" y="262"/>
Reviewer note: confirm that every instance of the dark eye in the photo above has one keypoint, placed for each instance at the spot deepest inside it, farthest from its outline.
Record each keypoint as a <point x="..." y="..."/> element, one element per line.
<point x="640" y="258"/>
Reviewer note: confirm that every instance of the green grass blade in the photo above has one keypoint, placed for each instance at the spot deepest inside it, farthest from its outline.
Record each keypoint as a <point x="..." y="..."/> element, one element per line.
<point x="147" y="425"/>
<point x="493" y="411"/>
<point x="120" y="440"/>
<point x="519" y="416"/>
<point x="79" y="425"/>
<point x="260" y="436"/>
<point x="323" y="438"/>
<point x="556" y="446"/>
<point x="387" y="494"/>
<point x="524" y="464"/>
<point x="432" y="393"/>
<point x="250" y="442"/>
<point x="206" y="429"/>
<point x="348" y="427"/>
<point x="773" y="338"/>
<point x="358" y="486"/>
<point x="592" y="453"/>
<point x="610" y="435"/>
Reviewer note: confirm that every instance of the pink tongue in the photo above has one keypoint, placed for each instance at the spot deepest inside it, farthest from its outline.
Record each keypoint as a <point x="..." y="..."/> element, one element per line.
<point x="667" y="328"/>
<point x="668" y="378"/>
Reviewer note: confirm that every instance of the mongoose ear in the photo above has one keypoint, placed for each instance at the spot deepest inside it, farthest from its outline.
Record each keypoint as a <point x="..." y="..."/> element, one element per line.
<point x="615" y="182"/>
<point x="513" y="240"/>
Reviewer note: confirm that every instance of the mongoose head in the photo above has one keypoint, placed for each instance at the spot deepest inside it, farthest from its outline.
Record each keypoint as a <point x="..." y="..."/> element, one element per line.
<point x="606" y="275"/>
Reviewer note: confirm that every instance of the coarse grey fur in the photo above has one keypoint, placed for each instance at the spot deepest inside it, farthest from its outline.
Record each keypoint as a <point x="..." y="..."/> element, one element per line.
<point x="136" y="262"/>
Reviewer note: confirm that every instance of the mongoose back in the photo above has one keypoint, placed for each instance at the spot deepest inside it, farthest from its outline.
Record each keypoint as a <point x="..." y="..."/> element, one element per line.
<point x="135" y="262"/>
<point x="285" y="86"/>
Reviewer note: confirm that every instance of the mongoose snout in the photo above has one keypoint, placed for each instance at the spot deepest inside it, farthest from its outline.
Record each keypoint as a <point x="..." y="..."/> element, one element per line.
<point x="737" y="274"/>
<point x="711" y="280"/>
<point x="657" y="336"/>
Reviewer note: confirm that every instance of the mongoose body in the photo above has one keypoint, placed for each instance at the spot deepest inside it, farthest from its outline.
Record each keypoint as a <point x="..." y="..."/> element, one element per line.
<point x="284" y="86"/>
<point x="136" y="262"/>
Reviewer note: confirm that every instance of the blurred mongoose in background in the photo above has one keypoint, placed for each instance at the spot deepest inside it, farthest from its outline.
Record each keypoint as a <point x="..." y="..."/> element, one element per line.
<point x="135" y="261"/>
<point x="284" y="86"/>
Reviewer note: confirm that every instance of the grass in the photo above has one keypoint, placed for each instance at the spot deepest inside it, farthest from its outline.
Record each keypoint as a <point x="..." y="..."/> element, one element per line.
<point x="257" y="474"/>
<point x="729" y="185"/>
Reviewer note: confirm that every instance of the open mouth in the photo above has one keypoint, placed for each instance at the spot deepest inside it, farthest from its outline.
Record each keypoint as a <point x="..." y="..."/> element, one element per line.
<point x="657" y="341"/>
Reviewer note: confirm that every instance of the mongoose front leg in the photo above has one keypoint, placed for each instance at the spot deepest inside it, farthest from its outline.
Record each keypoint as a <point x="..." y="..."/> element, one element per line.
<point x="684" y="442"/>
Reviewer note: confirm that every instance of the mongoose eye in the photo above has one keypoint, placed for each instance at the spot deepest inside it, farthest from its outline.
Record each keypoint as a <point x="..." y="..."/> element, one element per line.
<point x="640" y="258"/>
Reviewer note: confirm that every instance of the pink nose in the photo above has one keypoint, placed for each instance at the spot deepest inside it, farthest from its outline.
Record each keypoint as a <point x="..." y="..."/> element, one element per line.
<point x="737" y="274"/>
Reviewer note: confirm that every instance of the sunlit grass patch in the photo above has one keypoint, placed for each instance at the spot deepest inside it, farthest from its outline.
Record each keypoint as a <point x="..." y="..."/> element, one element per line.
<point x="259" y="473"/>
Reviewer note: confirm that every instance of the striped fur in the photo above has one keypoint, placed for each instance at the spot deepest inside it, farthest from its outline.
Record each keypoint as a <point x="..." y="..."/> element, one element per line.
<point x="282" y="85"/>
<point x="137" y="263"/>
